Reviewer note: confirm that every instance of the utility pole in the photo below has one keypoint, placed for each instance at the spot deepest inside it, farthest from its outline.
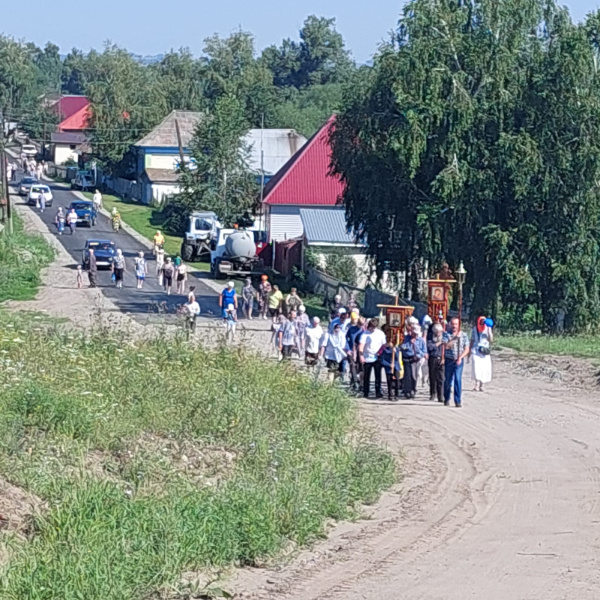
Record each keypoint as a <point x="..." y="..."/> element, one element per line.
<point x="181" y="156"/>
<point x="4" y="165"/>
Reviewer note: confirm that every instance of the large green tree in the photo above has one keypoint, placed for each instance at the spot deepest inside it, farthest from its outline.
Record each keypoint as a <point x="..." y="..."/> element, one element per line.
<point x="477" y="138"/>
<point x="126" y="102"/>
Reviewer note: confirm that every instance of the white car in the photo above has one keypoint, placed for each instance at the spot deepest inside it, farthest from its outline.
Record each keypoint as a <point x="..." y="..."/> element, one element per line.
<point x="34" y="194"/>
<point x="28" y="150"/>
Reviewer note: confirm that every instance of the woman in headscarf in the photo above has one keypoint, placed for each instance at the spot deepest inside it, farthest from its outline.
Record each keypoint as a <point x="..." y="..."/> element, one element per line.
<point x="481" y="340"/>
<point x="302" y="322"/>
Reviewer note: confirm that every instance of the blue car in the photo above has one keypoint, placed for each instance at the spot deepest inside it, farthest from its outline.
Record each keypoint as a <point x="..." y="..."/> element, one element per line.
<point x="105" y="252"/>
<point x="86" y="213"/>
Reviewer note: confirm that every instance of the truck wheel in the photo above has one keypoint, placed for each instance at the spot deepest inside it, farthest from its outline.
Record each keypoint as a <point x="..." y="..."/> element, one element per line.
<point x="187" y="252"/>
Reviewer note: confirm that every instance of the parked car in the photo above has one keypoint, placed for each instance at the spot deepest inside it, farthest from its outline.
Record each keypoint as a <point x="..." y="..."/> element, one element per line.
<point x="104" y="250"/>
<point x="34" y="194"/>
<point x="86" y="213"/>
<point x="25" y="185"/>
<point x="84" y="180"/>
<point x="28" y="150"/>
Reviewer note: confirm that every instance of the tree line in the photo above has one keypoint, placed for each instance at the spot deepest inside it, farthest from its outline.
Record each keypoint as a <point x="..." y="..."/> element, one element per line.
<point x="476" y="137"/>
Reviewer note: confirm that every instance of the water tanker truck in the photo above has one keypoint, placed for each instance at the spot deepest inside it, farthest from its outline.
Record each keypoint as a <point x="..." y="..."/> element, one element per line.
<point x="235" y="253"/>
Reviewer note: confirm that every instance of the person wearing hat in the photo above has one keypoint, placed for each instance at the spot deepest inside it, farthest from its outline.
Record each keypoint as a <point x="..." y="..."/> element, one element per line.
<point x="413" y="350"/>
<point x="482" y="337"/>
<point x="353" y="332"/>
<point x="228" y="297"/>
<point x="264" y="289"/>
<point x="302" y="323"/>
<point x="341" y="319"/>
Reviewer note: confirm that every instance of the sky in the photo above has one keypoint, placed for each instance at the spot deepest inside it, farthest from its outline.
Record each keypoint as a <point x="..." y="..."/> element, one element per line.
<point x="149" y="27"/>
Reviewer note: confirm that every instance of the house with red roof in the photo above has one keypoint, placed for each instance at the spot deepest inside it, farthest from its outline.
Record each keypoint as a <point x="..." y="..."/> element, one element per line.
<point x="69" y="141"/>
<point x="302" y="209"/>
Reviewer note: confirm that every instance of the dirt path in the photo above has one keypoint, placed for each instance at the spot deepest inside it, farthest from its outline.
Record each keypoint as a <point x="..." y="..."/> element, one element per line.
<point x="501" y="500"/>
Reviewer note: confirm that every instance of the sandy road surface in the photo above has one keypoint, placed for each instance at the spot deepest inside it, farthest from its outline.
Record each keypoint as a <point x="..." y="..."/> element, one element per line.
<point x="501" y="501"/>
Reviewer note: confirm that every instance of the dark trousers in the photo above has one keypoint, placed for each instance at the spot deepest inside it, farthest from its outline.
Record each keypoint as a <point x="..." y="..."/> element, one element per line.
<point x="92" y="276"/>
<point x="409" y="384"/>
<point x="436" y="377"/>
<point x="368" y="367"/>
<point x="453" y="375"/>
<point x="393" y="381"/>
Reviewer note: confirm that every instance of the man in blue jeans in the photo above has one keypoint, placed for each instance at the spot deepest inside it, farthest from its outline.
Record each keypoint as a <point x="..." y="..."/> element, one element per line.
<point x="456" y="346"/>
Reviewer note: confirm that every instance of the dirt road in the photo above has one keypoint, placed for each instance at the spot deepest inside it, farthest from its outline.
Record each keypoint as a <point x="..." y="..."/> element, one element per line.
<point x="501" y="500"/>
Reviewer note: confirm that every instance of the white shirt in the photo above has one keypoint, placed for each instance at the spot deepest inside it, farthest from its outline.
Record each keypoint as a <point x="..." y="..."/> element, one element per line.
<point x="334" y="344"/>
<point x="193" y="308"/>
<point x="97" y="199"/>
<point x="373" y="341"/>
<point x="313" y="338"/>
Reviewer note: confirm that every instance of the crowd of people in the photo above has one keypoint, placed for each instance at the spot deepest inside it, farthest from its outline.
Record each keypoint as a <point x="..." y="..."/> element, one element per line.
<point x="359" y="352"/>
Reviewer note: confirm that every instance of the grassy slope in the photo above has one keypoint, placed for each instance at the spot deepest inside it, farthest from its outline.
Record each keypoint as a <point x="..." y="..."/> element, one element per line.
<point x="585" y="346"/>
<point x="156" y="459"/>
<point x="22" y="257"/>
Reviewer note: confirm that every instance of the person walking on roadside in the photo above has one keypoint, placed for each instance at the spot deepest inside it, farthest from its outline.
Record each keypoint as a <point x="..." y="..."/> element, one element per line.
<point x="302" y="323"/>
<point x="192" y="293"/>
<point x="287" y="335"/>
<point x="370" y="343"/>
<point x="482" y="337"/>
<point x="118" y="268"/>
<point x="391" y="360"/>
<point x="60" y="220"/>
<point x="42" y="200"/>
<point x="230" y="322"/>
<point x="181" y="277"/>
<point x="312" y="338"/>
<point x="456" y="349"/>
<point x="159" y="242"/>
<point x="92" y="268"/>
<point x="264" y="289"/>
<point x="97" y="201"/>
<point x="168" y="271"/>
<point x="39" y="171"/>
<point x="292" y="301"/>
<point x="353" y="305"/>
<point x="333" y="349"/>
<point x="160" y="263"/>
<point x="9" y="172"/>
<point x="413" y="350"/>
<point x="228" y="296"/>
<point x="72" y="220"/>
<point x="248" y="296"/>
<point x="435" y="349"/>
<point x="79" y="277"/>
<point x="334" y="306"/>
<point x="192" y="310"/>
<point x="275" y="300"/>
<point x="355" y="328"/>
<point x="141" y="270"/>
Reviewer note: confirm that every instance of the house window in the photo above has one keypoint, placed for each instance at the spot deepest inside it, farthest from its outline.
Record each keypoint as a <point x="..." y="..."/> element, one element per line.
<point x="73" y="147"/>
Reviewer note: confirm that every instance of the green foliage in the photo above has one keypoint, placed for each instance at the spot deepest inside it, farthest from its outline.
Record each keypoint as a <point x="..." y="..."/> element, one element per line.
<point x="221" y="181"/>
<point x="125" y="104"/>
<point x="318" y="59"/>
<point x="22" y="257"/>
<point x="477" y="138"/>
<point x="341" y="266"/>
<point x="156" y="459"/>
<point x="584" y="346"/>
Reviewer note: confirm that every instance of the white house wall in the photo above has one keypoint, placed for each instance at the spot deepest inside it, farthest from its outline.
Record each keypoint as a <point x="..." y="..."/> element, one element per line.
<point x="62" y="153"/>
<point x="161" y="161"/>
<point x="285" y="223"/>
<point x="162" y="190"/>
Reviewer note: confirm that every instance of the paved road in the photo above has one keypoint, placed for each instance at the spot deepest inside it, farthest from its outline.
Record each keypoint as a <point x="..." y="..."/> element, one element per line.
<point x="129" y="299"/>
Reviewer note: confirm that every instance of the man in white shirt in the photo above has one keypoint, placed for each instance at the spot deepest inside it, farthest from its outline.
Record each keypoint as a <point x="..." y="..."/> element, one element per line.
<point x="369" y="346"/>
<point x="192" y="311"/>
<point x="313" y="337"/>
<point x="97" y="200"/>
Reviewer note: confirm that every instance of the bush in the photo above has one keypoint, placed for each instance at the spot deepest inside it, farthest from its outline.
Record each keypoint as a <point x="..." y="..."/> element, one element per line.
<point x="156" y="458"/>
<point x="341" y="266"/>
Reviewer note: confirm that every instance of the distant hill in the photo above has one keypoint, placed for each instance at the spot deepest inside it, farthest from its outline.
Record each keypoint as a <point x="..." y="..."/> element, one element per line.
<point x="147" y="60"/>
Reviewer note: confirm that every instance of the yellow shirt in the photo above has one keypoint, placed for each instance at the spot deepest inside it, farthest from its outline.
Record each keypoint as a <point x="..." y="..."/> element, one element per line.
<point x="159" y="239"/>
<point x="275" y="299"/>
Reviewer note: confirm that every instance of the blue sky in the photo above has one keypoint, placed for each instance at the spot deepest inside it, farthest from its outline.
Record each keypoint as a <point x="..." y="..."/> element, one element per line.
<point x="153" y="26"/>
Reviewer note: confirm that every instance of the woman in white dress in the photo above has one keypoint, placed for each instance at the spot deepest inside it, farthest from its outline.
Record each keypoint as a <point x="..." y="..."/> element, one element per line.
<point x="481" y="340"/>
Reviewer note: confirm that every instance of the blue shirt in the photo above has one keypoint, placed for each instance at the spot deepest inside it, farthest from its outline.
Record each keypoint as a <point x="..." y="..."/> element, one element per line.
<point x="414" y="351"/>
<point x="228" y="297"/>
<point x="386" y="359"/>
<point x="457" y="348"/>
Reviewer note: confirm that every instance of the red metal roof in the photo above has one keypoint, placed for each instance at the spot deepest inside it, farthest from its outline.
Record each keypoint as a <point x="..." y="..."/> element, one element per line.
<point x="305" y="178"/>
<point x="69" y="105"/>
<point x="77" y="121"/>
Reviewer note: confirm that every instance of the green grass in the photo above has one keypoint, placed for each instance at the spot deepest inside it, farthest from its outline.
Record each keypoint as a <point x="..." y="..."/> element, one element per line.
<point x="146" y="220"/>
<point x="583" y="346"/>
<point x="22" y="257"/>
<point x="155" y="459"/>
